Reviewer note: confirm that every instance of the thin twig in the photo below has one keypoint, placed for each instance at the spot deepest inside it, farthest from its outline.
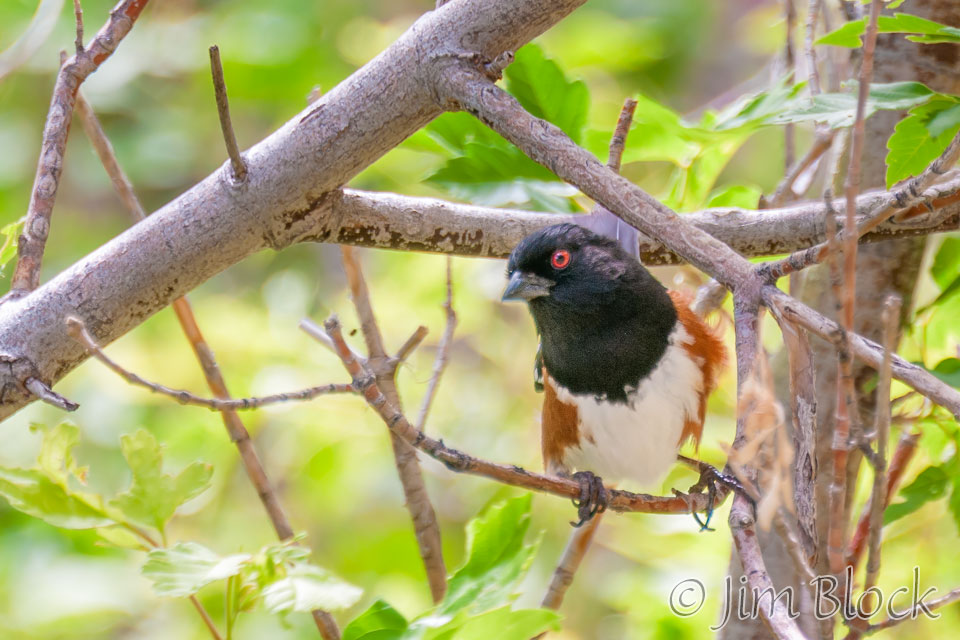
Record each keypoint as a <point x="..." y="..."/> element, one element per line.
<point x="223" y="110"/>
<point x="79" y="332"/>
<point x="914" y="612"/>
<point x="40" y="389"/>
<point x="573" y="554"/>
<point x="78" y="18"/>
<point x="881" y="427"/>
<point x="410" y="345"/>
<point x="784" y="190"/>
<point x="809" y="35"/>
<point x="619" y="140"/>
<point x="443" y="350"/>
<point x="458" y="461"/>
<point x="36" y="228"/>
<point x="902" y="455"/>
<point x="207" y="620"/>
<point x="790" y="64"/>
<point x="421" y="510"/>
<point x="905" y="197"/>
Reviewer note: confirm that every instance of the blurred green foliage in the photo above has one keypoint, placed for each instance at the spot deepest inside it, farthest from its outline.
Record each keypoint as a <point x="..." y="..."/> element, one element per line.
<point x="331" y="460"/>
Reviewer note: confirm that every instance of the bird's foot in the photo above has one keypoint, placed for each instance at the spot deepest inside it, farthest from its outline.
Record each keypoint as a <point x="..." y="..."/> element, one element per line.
<point x="710" y="479"/>
<point x="593" y="496"/>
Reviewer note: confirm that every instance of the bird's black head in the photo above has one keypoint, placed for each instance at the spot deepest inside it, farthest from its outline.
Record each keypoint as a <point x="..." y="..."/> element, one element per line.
<point x="602" y="318"/>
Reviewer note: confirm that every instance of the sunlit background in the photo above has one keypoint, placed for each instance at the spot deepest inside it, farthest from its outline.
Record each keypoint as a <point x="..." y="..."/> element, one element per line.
<point x="330" y="459"/>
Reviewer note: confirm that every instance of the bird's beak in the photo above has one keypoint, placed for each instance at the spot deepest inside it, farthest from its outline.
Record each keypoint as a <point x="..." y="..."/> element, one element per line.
<point x="526" y="286"/>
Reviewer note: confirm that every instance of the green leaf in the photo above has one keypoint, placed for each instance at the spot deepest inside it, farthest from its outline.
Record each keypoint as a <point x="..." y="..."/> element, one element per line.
<point x="11" y="234"/>
<point x="946" y="264"/>
<point x="539" y="84"/>
<point x="34" y="493"/>
<point x="839" y="109"/>
<point x="948" y="371"/>
<point x="931" y="484"/>
<point x="497" y="558"/>
<point x="187" y="567"/>
<point x="379" y="622"/>
<point x="118" y="536"/>
<point x="846" y="36"/>
<point x="946" y="120"/>
<point x="927" y="31"/>
<point x="308" y="587"/>
<point x="56" y="452"/>
<point x="911" y="148"/>
<point x="154" y="496"/>
<point x="735" y="195"/>
<point x="505" y="624"/>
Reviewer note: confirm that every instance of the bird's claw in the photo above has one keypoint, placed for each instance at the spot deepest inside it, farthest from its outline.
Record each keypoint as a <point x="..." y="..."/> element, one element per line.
<point x="593" y="497"/>
<point x="710" y="477"/>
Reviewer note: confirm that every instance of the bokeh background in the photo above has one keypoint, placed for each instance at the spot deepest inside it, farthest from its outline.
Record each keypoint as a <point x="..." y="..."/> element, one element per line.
<point x="330" y="459"/>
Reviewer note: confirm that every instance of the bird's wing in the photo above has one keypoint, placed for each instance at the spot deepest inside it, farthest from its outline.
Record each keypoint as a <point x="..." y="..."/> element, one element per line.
<point x="604" y="223"/>
<point x="538" y="369"/>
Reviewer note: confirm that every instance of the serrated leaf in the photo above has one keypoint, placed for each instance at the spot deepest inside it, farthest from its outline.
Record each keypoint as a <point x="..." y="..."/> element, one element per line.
<point x="379" y="622"/>
<point x="154" y="496"/>
<point x="911" y="148"/>
<point x="187" y="567"/>
<point x="34" y="493"/>
<point x="56" y="452"/>
<point x="931" y="484"/>
<point x="735" y="195"/>
<point x="944" y="121"/>
<point x="308" y="587"/>
<point x="539" y="84"/>
<point x="497" y="558"/>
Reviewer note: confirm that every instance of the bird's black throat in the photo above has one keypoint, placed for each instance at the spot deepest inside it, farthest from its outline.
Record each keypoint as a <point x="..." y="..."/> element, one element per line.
<point x="607" y="344"/>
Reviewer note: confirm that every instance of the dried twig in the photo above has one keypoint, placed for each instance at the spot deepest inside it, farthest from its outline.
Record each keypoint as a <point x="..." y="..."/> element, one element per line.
<point x="36" y="228"/>
<point x="421" y="510"/>
<point x="443" y="350"/>
<point x="790" y="64"/>
<point x="455" y="460"/>
<point x="907" y="197"/>
<point x="223" y="110"/>
<point x="40" y="389"/>
<point x="79" y="332"/>
<point x="784" y="190"/>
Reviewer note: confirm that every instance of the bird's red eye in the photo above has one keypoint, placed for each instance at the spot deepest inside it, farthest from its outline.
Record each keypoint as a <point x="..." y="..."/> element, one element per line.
<point x="560" y="259"/>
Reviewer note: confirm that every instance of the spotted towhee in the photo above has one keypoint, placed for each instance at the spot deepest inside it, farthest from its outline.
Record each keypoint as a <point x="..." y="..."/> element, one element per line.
<point x="625" y="365"/>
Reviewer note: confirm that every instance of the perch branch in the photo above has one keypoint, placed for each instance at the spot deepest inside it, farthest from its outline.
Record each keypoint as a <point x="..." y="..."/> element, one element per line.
<point x="73" y="72"/>
<point x="458" y="461"/>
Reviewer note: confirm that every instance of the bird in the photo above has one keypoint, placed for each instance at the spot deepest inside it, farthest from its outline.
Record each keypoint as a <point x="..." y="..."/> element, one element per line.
<point x="625" y="365"/>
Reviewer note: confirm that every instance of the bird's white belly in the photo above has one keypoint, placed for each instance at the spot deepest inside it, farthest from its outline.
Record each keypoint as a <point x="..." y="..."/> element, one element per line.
<point x="637" y="441"/>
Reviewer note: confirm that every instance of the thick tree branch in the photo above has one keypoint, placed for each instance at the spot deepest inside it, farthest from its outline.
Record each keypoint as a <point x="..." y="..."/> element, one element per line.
<point x="219" y="222"/>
